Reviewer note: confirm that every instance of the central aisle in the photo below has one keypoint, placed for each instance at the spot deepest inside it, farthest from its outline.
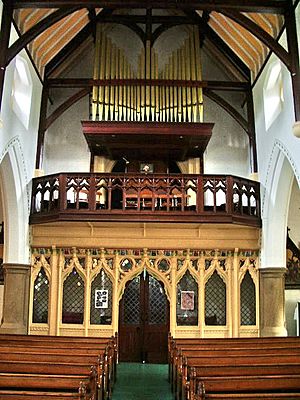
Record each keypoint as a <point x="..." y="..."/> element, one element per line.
<point x="142" y="382"/>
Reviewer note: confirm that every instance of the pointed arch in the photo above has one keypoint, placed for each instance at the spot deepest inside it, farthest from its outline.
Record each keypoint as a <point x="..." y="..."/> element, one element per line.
<point x="16" y="202"/>
<point x="275" y="205"/>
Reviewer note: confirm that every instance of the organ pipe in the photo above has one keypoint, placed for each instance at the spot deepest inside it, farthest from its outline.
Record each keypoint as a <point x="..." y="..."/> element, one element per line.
<point x="147" y="102"/>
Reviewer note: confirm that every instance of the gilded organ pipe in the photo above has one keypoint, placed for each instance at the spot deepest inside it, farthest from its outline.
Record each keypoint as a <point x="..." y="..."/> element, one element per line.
<point x="148" y="101"/>
<point x="198" y="74"/>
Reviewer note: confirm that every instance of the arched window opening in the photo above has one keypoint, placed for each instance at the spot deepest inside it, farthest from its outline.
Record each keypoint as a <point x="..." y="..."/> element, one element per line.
<point x="73" y="299"/>
<point x="273" y="94"/>
<point x="187" y="300"/>
<point x="248" y="301"/>
<point x="22" y="91"/>
<point x="40" y="298"/>
<point x="215" y="301"/>
<point x="101" y="300"/>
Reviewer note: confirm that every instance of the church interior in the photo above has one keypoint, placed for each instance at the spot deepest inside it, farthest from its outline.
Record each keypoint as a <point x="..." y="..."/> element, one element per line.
<point x="150" y="175"/>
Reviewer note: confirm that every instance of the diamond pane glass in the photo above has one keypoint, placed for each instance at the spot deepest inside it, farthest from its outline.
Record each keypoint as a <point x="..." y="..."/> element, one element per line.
<point x="73" y="299"/>
<point x="215" y="301"/>
<point x="248" y="301"/>
<point x="157" y="302"/>
<point x="132" y="302"/>
<point x="187" y="300"/>
<point x="101" y="300"/>
<point x="40" y="298"/>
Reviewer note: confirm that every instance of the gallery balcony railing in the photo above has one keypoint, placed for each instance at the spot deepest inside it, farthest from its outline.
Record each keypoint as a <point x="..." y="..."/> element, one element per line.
<point x="145" y="197"/>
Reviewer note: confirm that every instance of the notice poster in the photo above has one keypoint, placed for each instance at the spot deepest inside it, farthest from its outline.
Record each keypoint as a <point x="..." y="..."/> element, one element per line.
<point x="187" y="300"/>
<point x="101" y="298"/>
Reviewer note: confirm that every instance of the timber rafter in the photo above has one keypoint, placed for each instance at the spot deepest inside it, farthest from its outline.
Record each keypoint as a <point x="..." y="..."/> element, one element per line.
<point x="36" y="30"/>
<point x="260" y="34"/>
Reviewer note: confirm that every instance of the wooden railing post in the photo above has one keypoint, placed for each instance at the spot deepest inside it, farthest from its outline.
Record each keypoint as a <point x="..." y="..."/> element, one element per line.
<point x="200" y="195"/>
<point x="92" y="194"/>
<point x="62" y="191"/>
<point x="229" y="194"/>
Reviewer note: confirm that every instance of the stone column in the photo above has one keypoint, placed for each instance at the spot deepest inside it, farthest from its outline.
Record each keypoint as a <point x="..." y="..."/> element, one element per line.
<point x="16" y="298"/>
<point x="272" y="313"/>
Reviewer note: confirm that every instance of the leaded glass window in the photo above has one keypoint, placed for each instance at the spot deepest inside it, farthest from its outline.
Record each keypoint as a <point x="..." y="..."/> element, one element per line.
<point x="157" y="302"/>
<point x="215" y="301"/>
<point x="248" y="301"/>
<point x="73" y="299"/>
<point x="101" y="300"/>
<point x="40" y="298"/>
<point x="187" y="300"/>
<point x="132" y="307"/>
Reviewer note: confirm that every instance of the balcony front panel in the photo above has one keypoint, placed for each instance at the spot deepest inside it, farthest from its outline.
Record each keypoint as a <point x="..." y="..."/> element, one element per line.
<point x="145" y="197"/>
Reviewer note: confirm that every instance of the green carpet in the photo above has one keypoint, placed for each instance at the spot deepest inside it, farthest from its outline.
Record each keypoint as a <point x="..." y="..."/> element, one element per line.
<point x="142" y="382"/>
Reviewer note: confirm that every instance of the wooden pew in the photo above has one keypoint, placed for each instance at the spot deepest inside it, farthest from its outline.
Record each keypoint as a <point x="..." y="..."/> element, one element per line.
<point x="210" y="359"/>
<point x="175" y="345"/>
<point x="106" y="372"/>
<point x="233" y="357"/>
<point x="63" y="363"/>
<point x="203" y="388"/>
<point x="238" y="362"/>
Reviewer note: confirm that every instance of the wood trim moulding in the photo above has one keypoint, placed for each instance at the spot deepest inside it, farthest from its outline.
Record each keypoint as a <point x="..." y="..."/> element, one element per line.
<point x="261" y="6"/>
<point x="146" y="128"/>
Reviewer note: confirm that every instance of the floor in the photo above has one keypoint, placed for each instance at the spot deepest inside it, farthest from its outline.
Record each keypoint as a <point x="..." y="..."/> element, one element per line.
<point x="142" y="382"/>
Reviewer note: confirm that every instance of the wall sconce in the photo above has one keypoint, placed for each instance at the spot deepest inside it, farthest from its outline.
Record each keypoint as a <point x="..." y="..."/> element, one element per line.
<point x="296" y="129"/>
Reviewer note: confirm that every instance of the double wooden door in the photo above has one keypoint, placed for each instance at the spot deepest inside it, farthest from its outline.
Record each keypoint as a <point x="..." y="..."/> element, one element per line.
<point x="144" y="321"/>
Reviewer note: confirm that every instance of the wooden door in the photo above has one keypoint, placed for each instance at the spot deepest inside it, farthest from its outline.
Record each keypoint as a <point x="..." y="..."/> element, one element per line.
<point x="144" y="321"/>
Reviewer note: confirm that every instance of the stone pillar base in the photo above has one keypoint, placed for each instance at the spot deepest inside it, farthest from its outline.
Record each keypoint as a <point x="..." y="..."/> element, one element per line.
<point x="272" y="315"/>
<point x="15" y="298"/>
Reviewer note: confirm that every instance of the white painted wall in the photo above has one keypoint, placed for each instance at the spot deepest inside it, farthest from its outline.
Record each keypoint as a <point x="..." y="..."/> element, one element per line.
<point x="278" y="159"/>
<point x="65" y="148"/>
<point x="279" y="167"/>
<point x="294" y="214"/>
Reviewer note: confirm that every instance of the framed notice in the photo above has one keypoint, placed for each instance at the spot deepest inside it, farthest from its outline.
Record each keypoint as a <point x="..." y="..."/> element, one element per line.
<point x="101" y="298"/>
<point x="187" y="300"/>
